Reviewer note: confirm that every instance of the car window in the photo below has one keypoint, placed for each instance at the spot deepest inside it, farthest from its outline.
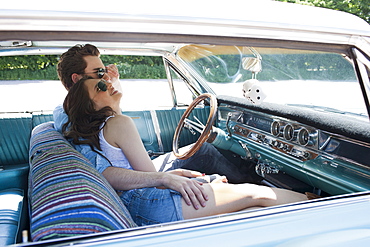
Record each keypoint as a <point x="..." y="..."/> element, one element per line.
<point x="144" y="82"/>
<point x="183" y="94"/>
<point x="30" y="83"/>
<point x="145" y="94"/>
<point x="323" y="81"/>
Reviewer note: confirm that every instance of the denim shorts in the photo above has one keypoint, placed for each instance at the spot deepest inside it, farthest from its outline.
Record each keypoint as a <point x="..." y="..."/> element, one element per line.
<point x="149" y="206"/>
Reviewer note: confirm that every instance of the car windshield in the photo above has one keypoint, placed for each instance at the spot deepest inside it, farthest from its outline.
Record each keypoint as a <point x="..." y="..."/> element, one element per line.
<point x="305" y="78"/>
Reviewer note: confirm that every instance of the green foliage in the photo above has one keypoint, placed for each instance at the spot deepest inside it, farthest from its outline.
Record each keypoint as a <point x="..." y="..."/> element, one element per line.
<point x="43" y="67"/>
<point x="28" y="62"/>
<point x="40" y="67"/>
<point x="137" y="67"/>
<point x="48" y="73"/>
<point x="360" y="8"/>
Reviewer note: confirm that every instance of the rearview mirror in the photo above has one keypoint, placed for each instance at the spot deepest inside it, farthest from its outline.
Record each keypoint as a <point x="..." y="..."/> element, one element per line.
<point x="252" y="64"/>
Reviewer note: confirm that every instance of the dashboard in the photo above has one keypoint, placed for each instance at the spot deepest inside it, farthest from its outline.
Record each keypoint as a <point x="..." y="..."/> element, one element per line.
<point x="299" y="146"/>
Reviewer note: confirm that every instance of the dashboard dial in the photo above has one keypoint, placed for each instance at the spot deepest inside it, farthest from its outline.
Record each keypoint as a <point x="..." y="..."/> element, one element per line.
<point x="303" y="136"/>
<point x="275" y="128"/>
<point x="288" y="132"/>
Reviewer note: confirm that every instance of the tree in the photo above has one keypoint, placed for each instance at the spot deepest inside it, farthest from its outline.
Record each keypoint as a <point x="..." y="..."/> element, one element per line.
<point x="360" y="8"/>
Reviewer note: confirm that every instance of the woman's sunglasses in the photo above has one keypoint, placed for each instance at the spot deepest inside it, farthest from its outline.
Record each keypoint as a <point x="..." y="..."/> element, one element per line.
<point x="101" y="85"/>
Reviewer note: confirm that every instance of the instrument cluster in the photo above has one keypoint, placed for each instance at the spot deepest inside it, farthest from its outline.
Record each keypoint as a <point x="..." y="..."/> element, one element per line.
<point x="289" y="137"/>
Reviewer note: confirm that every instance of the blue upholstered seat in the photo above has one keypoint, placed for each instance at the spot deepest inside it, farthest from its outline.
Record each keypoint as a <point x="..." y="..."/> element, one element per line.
<point x="14" y="143"/>
<point x="67" y="195"/>
<point x="11" y="204"/>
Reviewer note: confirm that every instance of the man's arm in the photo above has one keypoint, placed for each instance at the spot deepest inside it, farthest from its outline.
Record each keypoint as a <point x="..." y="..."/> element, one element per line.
<point x="60" y="118"/>
<point x="124" y="179"/>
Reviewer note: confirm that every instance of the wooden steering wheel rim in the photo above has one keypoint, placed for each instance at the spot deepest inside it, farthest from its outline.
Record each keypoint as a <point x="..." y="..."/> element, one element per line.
<point x="206" y="132"/>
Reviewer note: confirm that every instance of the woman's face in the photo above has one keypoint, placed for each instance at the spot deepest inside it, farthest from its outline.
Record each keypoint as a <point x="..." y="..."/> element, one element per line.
<point x="111" y="97"/>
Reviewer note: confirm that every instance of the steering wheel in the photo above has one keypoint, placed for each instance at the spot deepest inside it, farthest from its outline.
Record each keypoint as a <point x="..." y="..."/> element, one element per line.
<point x="204" y="130"/>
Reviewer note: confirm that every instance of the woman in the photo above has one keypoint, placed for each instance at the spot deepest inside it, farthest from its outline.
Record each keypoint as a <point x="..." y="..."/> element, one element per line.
<point x="95" y="118"/>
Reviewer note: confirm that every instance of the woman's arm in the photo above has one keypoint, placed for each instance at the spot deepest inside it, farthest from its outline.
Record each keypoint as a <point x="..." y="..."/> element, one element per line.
<point x="192" y="191"/>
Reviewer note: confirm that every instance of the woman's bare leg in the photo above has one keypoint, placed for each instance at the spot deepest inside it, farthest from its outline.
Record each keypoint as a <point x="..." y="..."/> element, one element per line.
<point x="227" y="198"/>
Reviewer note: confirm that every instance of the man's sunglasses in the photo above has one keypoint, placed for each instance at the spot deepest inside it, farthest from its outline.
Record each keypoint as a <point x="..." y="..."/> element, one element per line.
<point x="100" y="72"/>
<point x="101" y="85"/>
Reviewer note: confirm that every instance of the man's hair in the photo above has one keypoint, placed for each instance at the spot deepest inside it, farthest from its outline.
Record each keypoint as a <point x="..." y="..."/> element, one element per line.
<point x="72" y="61"/>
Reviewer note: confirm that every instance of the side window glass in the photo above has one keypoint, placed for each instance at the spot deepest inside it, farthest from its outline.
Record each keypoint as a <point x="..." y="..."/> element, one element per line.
<point x="183" y="93"/>
<point x="143" y="82"/>
<point x="145" y="94"/>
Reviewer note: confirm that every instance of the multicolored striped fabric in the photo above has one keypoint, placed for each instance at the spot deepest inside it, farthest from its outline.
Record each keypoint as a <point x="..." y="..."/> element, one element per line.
<point x="68" y="197"/>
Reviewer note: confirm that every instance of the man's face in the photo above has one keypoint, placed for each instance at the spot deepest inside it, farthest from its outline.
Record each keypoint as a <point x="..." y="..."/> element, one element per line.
<point x="94" y="63"/>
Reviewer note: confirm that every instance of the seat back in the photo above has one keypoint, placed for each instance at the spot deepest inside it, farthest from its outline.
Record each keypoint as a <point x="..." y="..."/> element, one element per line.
<point x="168" y="121"/>
<point x="41" y="117"/>
<point x="67" y="195"/>
<point x="15" y="131"/>
<point x="15" y="134"/>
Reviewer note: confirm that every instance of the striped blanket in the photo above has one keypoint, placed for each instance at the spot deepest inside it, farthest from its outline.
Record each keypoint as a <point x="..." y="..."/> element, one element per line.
<point x="68" y="197"/>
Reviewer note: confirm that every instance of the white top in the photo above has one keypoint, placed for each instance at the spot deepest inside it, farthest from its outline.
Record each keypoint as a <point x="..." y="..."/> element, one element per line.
<point x="114" y="154"/>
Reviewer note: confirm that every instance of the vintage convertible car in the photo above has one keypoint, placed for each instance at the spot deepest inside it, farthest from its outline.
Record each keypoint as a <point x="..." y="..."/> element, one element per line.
<point x="282" y="90"/>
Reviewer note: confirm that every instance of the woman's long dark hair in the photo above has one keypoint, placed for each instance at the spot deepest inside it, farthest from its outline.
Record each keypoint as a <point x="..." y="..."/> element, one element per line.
<point x="84" y="122"/>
